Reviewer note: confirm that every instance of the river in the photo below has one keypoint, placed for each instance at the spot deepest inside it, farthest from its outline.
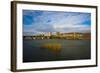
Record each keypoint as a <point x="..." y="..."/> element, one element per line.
<point x="70" y="50"/>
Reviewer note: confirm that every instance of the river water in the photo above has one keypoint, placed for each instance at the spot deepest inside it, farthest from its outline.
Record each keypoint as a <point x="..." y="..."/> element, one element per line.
<point x="70" y="50"/>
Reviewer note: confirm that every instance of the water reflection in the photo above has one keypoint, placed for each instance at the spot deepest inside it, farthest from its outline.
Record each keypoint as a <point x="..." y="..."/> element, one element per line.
<point x="55" y="47"/>
<point x="52" y="50"/>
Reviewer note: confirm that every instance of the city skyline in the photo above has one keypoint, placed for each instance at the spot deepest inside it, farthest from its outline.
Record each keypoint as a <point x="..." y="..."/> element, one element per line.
<point x="37" y="22"/>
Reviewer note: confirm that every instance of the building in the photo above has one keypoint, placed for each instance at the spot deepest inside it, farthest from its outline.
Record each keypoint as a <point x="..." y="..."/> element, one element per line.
<point x="49" y="34"/>
<point x="58" y="33"/>
<point x="72" y="35"/>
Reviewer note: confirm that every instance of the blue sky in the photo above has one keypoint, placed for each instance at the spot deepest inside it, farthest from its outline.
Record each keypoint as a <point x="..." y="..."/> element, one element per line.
<point x="38" y="22"/>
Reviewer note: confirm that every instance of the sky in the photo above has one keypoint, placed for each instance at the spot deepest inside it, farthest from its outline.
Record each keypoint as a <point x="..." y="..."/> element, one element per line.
<point x="38" y="22"/>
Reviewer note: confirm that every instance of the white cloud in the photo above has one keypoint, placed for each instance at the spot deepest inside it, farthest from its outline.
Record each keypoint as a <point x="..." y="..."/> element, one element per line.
<point x="62" y="22"/>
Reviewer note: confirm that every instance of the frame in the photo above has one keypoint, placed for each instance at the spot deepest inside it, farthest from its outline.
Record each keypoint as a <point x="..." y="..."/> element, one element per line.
<point x="43" y="36"/>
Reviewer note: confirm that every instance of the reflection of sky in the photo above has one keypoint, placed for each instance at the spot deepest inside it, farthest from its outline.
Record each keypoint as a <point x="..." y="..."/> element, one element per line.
<point x="36" y="22"/>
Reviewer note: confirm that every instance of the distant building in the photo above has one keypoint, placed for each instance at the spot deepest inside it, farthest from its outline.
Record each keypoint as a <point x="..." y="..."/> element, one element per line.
<point x="48" y="34"/>
<point x="71" y="35"/>
<point x="58" y="33"/>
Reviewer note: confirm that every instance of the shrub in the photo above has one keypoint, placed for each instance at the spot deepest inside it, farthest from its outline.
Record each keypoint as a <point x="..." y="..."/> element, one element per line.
<point x="52" y="46"/>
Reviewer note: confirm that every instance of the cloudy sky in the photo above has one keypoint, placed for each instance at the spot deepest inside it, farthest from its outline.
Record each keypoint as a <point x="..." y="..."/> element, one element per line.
<point x="37" y="22"/>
